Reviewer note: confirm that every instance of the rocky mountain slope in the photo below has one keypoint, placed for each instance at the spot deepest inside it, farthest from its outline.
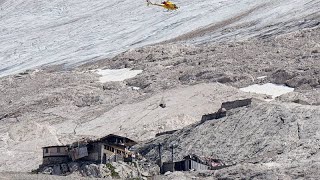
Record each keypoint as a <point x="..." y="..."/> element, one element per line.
<point x="290" y="59"/>
<point x="276" y="136"/>
<point x="233" y="44"/>
<point x="59" y="115"/>
<point x="54" y="106"/>
<point x="35" y="33"/>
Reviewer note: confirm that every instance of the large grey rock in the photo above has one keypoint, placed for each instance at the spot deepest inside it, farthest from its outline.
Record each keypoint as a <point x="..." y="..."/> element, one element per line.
<point x="303" y="97"/>
<point x="64" y="168"/>
<point x="57" y="170"/>
<point x="73" y="167"/>
<point x="91" y="170"/>
<point x="47" y="170"/>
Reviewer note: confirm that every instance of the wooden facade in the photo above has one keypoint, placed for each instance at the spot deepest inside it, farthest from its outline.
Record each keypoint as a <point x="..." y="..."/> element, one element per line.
<point x="55" y="154"/>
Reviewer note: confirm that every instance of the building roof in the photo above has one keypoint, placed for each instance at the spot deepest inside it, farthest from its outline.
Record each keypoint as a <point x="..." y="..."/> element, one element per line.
<point x="55" y="146"/>
<point x="129" y="142"/>
<point x="87" y="140"/>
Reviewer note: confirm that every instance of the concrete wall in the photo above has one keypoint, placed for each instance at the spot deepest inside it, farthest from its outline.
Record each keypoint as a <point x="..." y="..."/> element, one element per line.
<point x="94" y="156"/>
<point x="190" y="164"/>
<point x="94" y="151"/>
<point x="236" y="104"/>
<point x="217" y="115"/>
<point x="167" y="166"/>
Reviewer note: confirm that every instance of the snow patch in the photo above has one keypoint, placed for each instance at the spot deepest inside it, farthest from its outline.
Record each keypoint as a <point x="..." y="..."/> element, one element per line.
<point x="134" y="88"/>
<point x="272" y="164"/>
<point x="109" y="75"/>
<point x="273" y="90"/>
<point x="262" y="77"/>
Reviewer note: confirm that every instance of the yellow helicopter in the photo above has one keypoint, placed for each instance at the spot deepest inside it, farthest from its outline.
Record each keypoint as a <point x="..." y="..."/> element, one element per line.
<point x="165" y="4"/>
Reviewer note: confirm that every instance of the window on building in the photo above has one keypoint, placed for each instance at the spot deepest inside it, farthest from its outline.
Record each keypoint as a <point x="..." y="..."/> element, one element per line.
<point x="58" y="149"/>
<point x="46" y="150"/>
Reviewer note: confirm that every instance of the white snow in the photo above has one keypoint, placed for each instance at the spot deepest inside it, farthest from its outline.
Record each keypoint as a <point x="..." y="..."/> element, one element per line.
<point x="35" y="33"/>
<point x="135" y="88"/>
<point x="262" y="77"/>
<point x="116" y="74"/>
<point x="273" y="90"/>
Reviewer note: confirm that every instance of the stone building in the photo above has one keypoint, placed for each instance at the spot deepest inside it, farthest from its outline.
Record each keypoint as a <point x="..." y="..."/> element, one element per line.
<point x="110" y="148"/>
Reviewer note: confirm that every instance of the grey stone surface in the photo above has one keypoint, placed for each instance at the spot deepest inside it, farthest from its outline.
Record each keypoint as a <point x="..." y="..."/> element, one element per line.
<point x="56" y="170"/>
<point x="73" y="167"/>
<point x="285" y="59"/>
<point x="311" y="97"/>
<point x="266" y="139"/>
